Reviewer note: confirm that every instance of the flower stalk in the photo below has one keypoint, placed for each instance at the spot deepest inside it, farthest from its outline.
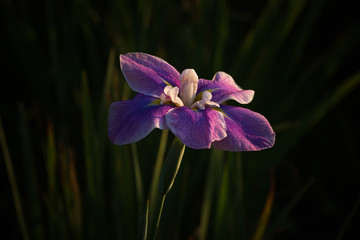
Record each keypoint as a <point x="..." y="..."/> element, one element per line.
<point x="169" y="171"/>
<point x="171" y="166"/>
<point x="144" y="224"/>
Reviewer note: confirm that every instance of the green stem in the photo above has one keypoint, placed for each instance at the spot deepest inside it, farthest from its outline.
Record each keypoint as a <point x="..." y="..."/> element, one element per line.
<point x="144" y="224"/>
<point x="168" y="173"/>
<point x="171" y="166"/>
<point x="159" y="216"/>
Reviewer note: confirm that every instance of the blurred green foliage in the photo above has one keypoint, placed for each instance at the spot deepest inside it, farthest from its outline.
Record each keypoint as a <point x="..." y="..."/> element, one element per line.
<point x="63" y="179"/>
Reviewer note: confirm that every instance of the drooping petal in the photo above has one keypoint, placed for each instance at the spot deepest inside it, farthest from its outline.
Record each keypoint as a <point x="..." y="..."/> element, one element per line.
<point x="223" y="87"/>
<point x="130" y="121"/>
<point x="246" y="130"/>
<point x="148" y="74"/>
<point x="196" y="128"/>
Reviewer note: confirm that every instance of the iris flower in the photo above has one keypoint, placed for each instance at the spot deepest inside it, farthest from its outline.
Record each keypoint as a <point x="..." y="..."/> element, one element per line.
<point x="190" y="107"/>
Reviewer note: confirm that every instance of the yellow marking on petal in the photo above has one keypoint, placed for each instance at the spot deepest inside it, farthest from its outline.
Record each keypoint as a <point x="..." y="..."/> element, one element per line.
<point x="158" y="102"/>
<point x="155" y="102"/>
<point x="198" y="97"/>
<point x="166" y="82"/>
<point x="220" y="110"/>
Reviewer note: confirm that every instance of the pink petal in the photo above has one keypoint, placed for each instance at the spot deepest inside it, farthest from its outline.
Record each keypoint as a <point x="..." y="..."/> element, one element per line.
<point x="148" y="74"/>
<point x="223" y="87"/>
<point x="246" y="130"/>
<point x="132" y="120"/>
<point x="196" y="128"/>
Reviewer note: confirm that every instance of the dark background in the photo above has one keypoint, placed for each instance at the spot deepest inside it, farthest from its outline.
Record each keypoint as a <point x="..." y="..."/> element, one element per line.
<point x="300" y="57"/>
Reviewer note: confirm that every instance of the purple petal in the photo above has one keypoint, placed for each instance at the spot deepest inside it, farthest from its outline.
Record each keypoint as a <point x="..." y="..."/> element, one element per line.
<point x="196" y="128"/>
<point x="223" y="87"/>
<point x="246" y="130"/>
<point x="148" y="74"/>
<point x="130" y="121"/>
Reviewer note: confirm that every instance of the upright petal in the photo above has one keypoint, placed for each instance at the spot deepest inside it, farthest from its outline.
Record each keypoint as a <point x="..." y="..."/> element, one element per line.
<point x="130" y="121"/>
<point x="196" y="128"/>
<point x="188" y="86"/>
<point x="246" y="131"/>
<point x="223" y="87"/>
<point x="148" y="74"/>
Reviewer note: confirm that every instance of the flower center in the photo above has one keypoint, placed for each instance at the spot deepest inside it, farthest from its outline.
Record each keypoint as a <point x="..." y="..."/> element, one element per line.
<point x="205" y="100"/>
<point x="188" y="86"/>
<point x="171" y="94"/>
